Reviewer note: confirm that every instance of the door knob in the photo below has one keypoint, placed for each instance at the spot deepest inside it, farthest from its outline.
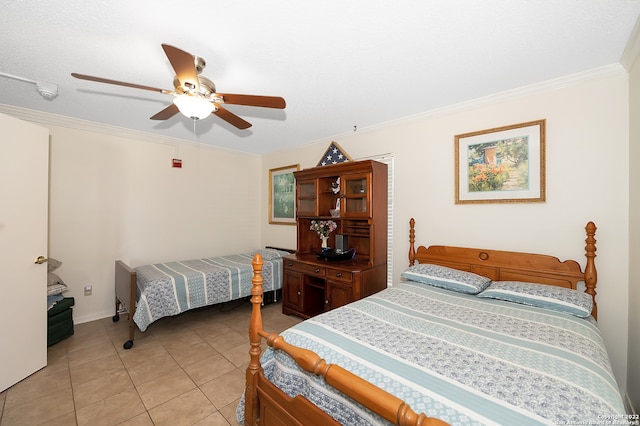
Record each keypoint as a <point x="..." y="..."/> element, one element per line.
<point x="40" y="260"/>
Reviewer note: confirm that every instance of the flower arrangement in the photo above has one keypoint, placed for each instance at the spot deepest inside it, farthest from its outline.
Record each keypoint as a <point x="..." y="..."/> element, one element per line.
<point x="323" y="227"/>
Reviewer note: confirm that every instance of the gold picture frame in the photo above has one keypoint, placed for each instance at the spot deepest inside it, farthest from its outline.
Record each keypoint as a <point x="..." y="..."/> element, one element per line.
<point x="501" y="165"/>
<point x="282" y="195"/>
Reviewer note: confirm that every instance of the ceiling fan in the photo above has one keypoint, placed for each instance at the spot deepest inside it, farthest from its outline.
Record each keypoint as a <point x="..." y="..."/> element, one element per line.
<point x="194" y="95"/>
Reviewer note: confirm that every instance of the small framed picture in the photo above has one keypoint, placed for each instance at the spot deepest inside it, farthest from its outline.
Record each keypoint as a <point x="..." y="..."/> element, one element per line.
<point x="282" y="195"/>
<point x="501" y="165"/>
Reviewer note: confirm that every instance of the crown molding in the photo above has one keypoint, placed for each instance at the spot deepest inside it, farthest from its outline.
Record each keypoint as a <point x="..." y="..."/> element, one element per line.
<point x="606" y="71"/>
<point x="48" y="119"/>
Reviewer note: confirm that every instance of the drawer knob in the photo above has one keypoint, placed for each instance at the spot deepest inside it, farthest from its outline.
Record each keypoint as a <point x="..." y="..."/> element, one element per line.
<point x="326" y="302"/>
<point x="299" y="293"/>
<point x="338" y="274"/>
<point x="316" y="270"/>
<point x="289" y="263"/>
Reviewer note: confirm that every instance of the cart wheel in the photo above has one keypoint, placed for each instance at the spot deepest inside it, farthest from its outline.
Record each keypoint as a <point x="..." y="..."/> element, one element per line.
<point x="116" y="318"/>
<point x="128" y="344"/>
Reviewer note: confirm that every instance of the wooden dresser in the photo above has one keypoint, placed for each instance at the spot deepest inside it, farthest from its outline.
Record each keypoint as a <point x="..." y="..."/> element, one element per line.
<point x="313" y="285"/>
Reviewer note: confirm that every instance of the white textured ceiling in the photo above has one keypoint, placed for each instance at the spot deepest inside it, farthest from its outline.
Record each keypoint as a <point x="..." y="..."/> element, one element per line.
<point x="338" y="63"/>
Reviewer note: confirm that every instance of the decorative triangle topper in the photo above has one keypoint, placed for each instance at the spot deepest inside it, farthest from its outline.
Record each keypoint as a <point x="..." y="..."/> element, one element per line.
<point x="334" y="155"/>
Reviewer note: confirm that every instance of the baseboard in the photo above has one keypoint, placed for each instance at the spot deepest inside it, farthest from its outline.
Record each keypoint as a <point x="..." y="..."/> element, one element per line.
<point x="92" y="317"/>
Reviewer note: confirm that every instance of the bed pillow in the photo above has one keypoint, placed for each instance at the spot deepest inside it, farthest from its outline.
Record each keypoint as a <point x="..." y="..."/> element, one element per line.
<point x="545" y="296"/>
<point x="53" y="264"/>
<point x="269" y="254"/>
<point x="53" y="279"/>
<point x="56" y="289"/>
<point x="449" y="278"/>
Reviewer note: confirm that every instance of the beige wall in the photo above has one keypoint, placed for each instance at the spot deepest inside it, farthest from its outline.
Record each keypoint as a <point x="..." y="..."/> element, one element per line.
<point x="115" y="197"/>
<point x="587" y="179"/>
<point x="633" y="376"/>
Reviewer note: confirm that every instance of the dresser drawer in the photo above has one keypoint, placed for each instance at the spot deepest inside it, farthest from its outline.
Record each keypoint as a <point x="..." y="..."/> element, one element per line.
<point x="338" y="275"/>
<point x="305" y="268"/>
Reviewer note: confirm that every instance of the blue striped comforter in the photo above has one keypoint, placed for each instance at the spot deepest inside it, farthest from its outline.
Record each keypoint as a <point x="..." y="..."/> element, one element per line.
<point x="170" y="288"/>
<point x="460" y="358"/>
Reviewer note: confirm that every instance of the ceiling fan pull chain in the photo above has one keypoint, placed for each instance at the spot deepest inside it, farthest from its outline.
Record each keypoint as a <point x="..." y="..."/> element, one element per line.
<point x="195" y="137"/>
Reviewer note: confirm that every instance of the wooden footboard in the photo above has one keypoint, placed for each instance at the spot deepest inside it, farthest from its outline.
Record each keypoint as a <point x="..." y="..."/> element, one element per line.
<point x="265" y="404"/>
<point x="126" y="282"/>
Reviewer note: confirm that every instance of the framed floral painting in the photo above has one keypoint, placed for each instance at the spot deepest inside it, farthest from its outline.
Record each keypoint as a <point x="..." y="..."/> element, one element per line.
<point x="282" y="195"/>
<point x="501" y="165"/>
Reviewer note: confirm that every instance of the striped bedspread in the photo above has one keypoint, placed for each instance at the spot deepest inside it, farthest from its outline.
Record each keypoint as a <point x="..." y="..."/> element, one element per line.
<point x="170" y="288"/>
<point x="460" y="358"/>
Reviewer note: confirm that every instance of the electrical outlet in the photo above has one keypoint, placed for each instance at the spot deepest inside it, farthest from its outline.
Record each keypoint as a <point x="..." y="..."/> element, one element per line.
<point x="88" y="290"/>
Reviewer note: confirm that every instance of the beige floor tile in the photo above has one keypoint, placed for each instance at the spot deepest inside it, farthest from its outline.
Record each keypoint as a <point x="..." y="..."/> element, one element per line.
<point x="91" y="352"/>
<point x="165" y="388"/>
<point x="155" y="367"/>
<point x="229" y="340"/>
<point x="3" y="397"/>
<point x="211" y="329"/>
<point x="139" y="420"/>
<point x="101" y="388"/>
<point x="229" y="412"/>
<point x="208" y="369"/>
<point x="239" y="355"/>
<point x="120" y="334"/>
<point x="179" y="338"/>
<point x="187" y="409"/>
<point x="68" y="419"/>
<point x="88" y="371"/>
<point x="216" y="419"/>
<point x="112" y="410"/>
<point x="190" y="353"/>
<point x="86" y="334"/>
<point x="281" y="323"/>
<point x="141" y="354"/>
<point x="90" y="328"/>
<point x="40" y="410"/>
<point x="225" y="389"/>
<point x="80" y="341"/>
<point x="184" y="368"/>
<point x="39" y="384"/>
<point x="57" y="358"/>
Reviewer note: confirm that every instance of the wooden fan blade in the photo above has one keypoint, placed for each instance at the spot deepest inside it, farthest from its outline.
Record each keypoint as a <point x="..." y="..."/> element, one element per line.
<point x="118" y="83"/>
<point x="184" y="65"/>
<point x="166" y="113"/>
<point x="231" y="118"/>
<point x="253" y="100"/>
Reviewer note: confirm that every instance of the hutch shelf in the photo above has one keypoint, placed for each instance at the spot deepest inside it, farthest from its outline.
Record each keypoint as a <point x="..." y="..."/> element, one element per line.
<point x="357" y="193"/>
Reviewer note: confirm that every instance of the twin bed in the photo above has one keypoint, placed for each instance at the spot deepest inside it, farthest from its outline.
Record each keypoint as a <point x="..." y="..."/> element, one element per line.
<point x="151" y="292"/>
<point x="445" y="342"/>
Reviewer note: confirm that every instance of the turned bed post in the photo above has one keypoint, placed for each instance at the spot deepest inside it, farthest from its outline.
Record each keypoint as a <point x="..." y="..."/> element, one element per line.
<point x="590" y="272"/>
<point x="251" y="408"/>
<point x="412" y="240"/>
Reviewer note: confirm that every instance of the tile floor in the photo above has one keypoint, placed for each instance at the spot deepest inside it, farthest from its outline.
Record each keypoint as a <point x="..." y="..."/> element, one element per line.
<point x="184" y="370"/>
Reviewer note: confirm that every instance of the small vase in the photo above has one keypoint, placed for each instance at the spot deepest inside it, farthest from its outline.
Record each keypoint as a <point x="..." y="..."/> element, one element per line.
<point x="324" y="242"/>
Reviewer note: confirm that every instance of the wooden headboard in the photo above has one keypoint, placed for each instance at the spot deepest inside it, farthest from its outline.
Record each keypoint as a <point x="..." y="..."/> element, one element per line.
<point x="514" y="266"/>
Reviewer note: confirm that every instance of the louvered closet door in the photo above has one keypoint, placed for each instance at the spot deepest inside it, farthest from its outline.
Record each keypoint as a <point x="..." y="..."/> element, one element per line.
<point x="24" y="186"/>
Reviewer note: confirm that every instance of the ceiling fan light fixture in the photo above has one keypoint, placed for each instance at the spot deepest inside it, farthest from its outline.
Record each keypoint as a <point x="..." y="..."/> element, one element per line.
<point x="194" y="107"/>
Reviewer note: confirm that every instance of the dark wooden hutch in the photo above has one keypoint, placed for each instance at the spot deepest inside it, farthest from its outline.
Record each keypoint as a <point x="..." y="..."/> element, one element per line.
<point x="313" y="285"/>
